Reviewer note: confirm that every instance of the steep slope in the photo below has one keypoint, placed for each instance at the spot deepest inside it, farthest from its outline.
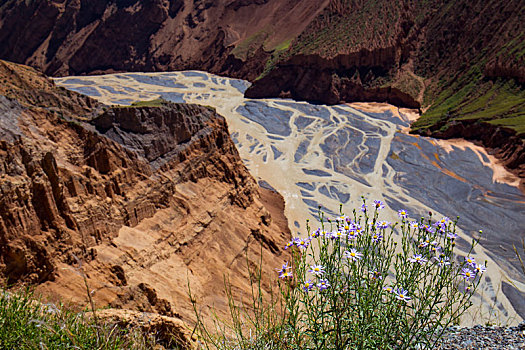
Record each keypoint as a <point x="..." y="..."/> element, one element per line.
<point x="409" y="46"/>
<point x="141" y="202"/>
<point x="81" y="36"/>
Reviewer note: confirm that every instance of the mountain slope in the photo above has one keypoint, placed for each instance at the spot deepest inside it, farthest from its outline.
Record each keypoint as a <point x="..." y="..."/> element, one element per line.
<point x="462" y="62"/>
<point x="80" y="36"/>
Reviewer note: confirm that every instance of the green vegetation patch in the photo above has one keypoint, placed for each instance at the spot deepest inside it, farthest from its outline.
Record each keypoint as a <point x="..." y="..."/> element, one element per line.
<point x="407" y="84"/>
<point x="500" y="102"/>
<point x="248" y="46"/>
<point x="159" y="102"/>
<point x="27" y="323"/>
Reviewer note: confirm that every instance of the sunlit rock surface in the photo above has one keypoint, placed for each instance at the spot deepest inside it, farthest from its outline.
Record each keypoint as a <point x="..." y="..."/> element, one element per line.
<point x="317" y="155"/>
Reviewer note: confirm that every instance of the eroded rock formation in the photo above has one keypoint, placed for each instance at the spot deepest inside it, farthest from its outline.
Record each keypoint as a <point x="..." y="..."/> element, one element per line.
<point x="139" y="202"/>
<point x="331" y="81"/>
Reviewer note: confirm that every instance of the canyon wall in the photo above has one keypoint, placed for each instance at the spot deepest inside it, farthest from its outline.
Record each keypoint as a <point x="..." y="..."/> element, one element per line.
<point x="407" y="53"/>
<point x="333" y="80"/>
<point x="142" y="202"/>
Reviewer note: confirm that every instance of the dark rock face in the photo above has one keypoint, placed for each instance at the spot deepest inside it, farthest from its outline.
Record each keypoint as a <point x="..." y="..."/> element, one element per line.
<point x="127" y="28"/>
<point x="329" y="81"/>
<point x="81" y="36"/>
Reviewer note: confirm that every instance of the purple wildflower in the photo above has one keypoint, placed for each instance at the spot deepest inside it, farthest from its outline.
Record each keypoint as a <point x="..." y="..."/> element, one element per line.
<point x="429" y="229"/>
<point x="467" y="273"/>
<point x="302" y="243"/>
<point x="338" y="234"/>
<point x="364" y="208"/>
<point x="345" y="227"/>
<point x="308" y="285"/>
<point x="382" y="225"/>
<point x="402" y="294"/>
<point x="285" y="274"/>
<point x="480" y="268"/>
<point x="317" y="270"/>
<point x="284" y="267"/>
<point x="316" y="233"/>
<point x="323" y="284"/>
<point x="379" y="205"/>
<point x="402" y="213"/>
<point x="377" y="237"/>
<point x="442" y="261"/>
<point x="444" y="221"/>
<point x="470" y="261"/>
<point x="418" y="258"/>
<point x="353" y="234"/>
<point x="352" y="255"/>
<point x="343" y="219"/>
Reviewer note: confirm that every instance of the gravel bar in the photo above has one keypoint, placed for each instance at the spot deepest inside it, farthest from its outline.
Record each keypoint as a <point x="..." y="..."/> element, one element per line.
<point x="484" y="337"/>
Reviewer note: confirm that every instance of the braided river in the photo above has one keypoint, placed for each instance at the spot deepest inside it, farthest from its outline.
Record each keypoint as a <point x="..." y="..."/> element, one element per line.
<point x="317" y="155"/>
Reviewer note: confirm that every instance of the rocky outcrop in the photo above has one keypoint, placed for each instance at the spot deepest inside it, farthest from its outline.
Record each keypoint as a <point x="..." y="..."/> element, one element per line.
<point x="333" y="80"/>
<point x="139" y="203"/>
<point x="32" y="89"/>
<point x="159" y="133"/>
<point x="170" y="332"/>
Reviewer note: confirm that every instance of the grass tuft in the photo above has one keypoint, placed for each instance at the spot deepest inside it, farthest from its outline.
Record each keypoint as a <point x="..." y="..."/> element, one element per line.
<point x="28" y="323"/>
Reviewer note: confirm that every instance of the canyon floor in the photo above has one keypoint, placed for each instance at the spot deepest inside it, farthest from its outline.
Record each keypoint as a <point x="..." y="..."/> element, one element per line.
<point x="317" y="155"/>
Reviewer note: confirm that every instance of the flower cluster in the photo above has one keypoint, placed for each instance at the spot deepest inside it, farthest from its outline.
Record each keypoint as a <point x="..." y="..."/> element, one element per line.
<point x="301" y="243"/>
<point x="472" y="269"/>
<point x="355" y="263"/>
<point x="285" y="272"/>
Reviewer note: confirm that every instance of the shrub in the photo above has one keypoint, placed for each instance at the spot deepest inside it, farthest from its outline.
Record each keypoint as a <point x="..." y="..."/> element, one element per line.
<point x="351" y="284"/>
